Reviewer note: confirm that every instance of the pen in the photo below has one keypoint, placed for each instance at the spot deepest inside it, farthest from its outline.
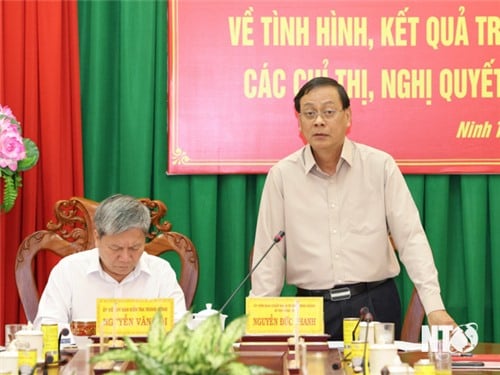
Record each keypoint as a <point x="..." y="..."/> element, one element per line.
<point x="467" y="364"/>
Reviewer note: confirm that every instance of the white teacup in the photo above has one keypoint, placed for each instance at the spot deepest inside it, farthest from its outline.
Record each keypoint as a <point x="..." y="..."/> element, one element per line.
<point x="8" y="361"/>
<point x="31" y="339"/>
<point x="364" y="335"/>
<point x="382" y="355"/>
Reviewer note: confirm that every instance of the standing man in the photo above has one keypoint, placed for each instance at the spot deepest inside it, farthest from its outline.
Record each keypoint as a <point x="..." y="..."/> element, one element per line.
<point x="117" y="268"/>
<point x="338" y="201"/>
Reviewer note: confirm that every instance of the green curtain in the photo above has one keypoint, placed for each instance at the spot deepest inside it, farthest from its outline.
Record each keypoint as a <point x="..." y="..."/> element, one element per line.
<point x="123" y="54"/>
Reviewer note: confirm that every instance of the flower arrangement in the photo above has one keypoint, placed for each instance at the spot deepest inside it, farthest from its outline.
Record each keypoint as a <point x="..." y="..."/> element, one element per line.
<point x="17" y="154"/>
<point x="206" y="350"/>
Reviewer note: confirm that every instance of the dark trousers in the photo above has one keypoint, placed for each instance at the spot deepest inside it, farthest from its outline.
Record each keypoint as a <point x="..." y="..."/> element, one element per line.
<point x="382" y="301"/>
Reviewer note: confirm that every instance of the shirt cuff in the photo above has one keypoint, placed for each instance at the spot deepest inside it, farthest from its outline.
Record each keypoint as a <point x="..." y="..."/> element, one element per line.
<point x="432" y="303"/>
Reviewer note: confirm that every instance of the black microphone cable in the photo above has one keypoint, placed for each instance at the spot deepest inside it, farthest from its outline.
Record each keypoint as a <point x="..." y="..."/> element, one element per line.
<point x="49" y="358"/>
<point x="64" y="332"/>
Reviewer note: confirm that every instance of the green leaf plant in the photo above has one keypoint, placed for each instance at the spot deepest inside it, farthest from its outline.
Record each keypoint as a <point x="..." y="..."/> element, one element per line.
<point x="206" y="350"/>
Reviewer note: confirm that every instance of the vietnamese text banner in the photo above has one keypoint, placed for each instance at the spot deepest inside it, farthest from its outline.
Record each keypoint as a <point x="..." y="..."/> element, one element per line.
<point x="423" y="76"/>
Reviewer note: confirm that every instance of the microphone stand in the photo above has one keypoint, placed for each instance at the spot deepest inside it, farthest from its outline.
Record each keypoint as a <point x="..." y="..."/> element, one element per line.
<point x="49" y="358"/>
<point x="276" y="239"/>
<point x="368" y="319"/>
<point x="64" y="332"/>
<point x="362" y="315"/>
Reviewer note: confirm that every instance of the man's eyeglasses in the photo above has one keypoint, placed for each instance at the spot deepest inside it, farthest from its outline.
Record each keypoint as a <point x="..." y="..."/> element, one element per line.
<point x="327" y="114"/>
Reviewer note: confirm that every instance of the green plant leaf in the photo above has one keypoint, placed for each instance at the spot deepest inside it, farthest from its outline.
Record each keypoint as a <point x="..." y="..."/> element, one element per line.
<point x="233" y="333"/>
<point x="207" y="335"/>
<point x="260" y="370"/>
<point x="9" y="192"/>
<point x="150" y="364"/>
<point x="220" y="360"/>
<point x="203" y="340"/>
<point x="175" y="342"/>
<point x="32" y="155"/>
<point x="236" y="368"/>
<point x="114" y="355"/>
<point x="6" y="172"/>
<point x="206" y="350"/>
<point x="157" y="330"/>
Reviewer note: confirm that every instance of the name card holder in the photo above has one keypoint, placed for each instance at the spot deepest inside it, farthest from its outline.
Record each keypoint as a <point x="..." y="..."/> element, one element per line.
<point x="274" y="322"/>
<point x="119" y="317"/>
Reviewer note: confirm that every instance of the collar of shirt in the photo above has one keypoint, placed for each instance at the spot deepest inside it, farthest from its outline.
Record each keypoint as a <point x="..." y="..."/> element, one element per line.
<point x="94" y="266"/>
<point x="346" y="155"/>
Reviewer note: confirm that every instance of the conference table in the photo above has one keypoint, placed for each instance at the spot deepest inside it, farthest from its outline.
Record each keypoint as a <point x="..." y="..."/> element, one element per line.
<point x="330" y="363"/>
<point x="482" y="348"/>
<point x="325" y="362"/>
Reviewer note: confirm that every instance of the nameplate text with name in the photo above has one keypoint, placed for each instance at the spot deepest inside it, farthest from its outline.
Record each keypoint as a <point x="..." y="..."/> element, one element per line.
<point x="285" y="315"/>
<point x="131" y="317"/>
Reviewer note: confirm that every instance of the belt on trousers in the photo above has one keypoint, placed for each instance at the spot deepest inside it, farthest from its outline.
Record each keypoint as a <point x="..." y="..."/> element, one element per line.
<point x="341" y="292"/>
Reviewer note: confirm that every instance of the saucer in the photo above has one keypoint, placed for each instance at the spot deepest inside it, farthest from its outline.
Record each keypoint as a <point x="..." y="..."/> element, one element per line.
<point x="71" y="349"/>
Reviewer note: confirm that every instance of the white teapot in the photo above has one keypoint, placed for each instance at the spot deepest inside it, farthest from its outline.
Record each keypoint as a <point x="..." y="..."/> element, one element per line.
<point x="198" y="318"/>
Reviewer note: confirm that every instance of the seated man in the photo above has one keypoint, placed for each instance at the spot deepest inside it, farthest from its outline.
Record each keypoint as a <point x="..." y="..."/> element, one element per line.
<point x="118" y="268"/>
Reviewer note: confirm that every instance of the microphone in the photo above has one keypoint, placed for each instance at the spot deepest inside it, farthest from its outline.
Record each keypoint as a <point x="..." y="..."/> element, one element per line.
<point x="277" y="238"/>
<point x="64" y="332"/>
<point x="49" y="357"/>
<point x="367" y="318"/>
<point x="362" y="316"/>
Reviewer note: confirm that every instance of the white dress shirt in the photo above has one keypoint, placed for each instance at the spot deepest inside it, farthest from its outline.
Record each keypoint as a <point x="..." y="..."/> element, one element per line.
<point x="337" y="226"/>
<point x="78" y="280"/>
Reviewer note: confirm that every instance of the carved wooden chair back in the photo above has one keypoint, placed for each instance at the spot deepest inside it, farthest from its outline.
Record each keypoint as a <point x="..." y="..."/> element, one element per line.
<point x="73" y="231"/>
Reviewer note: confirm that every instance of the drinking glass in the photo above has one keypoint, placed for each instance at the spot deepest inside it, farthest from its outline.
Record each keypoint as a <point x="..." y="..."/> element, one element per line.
<point x="10" y="332"/>
<point x="384" y="333"/>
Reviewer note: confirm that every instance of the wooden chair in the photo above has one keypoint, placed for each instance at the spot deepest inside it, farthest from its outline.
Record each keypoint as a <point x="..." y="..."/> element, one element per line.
<point x="73" y="231"/>
<point x="414" y="317"/>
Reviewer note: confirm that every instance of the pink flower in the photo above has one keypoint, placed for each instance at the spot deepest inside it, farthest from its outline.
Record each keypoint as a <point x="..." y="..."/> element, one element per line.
<point x="11" y="145"/>
<point x="4" y="110"/>
<point x="17" y="154"/>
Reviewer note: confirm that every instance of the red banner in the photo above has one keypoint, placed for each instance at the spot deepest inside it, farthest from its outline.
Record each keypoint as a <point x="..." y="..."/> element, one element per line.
<point x="423" y="79"/>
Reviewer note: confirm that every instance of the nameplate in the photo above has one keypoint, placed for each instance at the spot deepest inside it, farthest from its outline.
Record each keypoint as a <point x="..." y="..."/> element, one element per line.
<point x="284" y="315"/>
<point x="131" y="317"/>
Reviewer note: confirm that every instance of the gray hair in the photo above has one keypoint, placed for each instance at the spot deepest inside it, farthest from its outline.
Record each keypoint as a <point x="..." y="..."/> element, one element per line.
<point x="119" y="213"/>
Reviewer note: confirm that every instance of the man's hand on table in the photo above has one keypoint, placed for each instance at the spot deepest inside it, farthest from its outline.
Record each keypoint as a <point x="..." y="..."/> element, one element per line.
<point x="440" y="318"/>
